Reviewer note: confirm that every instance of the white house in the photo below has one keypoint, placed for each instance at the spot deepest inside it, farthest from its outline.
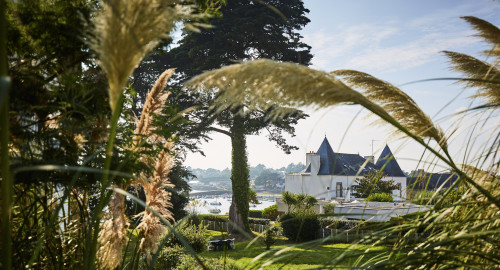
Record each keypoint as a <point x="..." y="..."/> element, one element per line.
<point x="329" y="175"/>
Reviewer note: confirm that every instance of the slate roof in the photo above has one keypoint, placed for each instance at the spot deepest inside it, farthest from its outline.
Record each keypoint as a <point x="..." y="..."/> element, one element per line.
<point x="332" y="163"/>
<point x="431" y="181"/>
<point x="391" y="165"/>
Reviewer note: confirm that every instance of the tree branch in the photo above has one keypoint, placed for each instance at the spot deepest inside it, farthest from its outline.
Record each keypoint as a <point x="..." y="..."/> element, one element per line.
<point x="220" y="131"/>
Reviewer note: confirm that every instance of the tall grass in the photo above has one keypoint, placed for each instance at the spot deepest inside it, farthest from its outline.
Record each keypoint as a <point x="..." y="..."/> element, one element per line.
<point x="68" y="226"/>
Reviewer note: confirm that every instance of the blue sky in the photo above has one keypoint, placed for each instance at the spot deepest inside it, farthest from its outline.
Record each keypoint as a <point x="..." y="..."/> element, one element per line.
<point x="397" y="41"/>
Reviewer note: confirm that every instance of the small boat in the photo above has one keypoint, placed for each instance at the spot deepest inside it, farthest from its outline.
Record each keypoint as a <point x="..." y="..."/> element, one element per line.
<point x="214" y="211"/>
<point x="215" y="203"/>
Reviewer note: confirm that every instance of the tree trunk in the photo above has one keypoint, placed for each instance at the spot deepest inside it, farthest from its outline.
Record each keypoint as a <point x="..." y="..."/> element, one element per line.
<point x="238" y="212"/>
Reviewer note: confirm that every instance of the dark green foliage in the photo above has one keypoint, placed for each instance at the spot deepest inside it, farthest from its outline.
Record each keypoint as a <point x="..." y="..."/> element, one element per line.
<point x="190" y="263"/>
<point x="270" y="236"/>
<point x="260" y="221"/>
<point x="170" y="257"/>
<point x="372" y="183"/>
<point x="255" y="214"/>
<point x="379" y="197"/>
<point x="299" y="203"/>
<point x="195" y="219"/>
<point x="214" y="218"/>
<point x="337" y="223"/>
<point x="179" y="177"/>
<point x="300" y="228"/>
<point x="239" y="175"/>
<point x="271" y="212"/>
<point x="329" y="208"/>
<point x="252" y="196"/>
<point x="194" y="235"/>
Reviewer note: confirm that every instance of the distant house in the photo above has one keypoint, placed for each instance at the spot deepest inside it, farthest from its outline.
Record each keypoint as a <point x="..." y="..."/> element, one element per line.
<point x="430" y="181"/>
<point x="329" y="175"/>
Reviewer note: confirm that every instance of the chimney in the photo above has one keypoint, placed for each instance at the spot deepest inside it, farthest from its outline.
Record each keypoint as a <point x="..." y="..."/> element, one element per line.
<point x="313" y="159"/>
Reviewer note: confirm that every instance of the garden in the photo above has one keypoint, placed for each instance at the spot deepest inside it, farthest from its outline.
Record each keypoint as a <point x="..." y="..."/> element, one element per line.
<point x="99" y="108"/>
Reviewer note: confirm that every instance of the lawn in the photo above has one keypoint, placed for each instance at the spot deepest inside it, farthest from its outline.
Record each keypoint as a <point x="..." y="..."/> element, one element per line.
<point x="288" y="255"/>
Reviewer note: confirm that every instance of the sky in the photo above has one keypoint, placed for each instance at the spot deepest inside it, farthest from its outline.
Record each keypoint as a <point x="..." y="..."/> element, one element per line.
<point x="397" y="41"/>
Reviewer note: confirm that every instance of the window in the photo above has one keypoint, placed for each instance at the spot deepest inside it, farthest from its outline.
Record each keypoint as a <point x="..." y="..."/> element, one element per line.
<point x="339" y="189"/>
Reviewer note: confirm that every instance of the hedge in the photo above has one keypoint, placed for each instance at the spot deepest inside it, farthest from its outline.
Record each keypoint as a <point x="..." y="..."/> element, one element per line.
<point x="300" y="228"/>
<point x="379" y="197"/>
<point x="261" y="221"/>
<point x="255" y="214"/>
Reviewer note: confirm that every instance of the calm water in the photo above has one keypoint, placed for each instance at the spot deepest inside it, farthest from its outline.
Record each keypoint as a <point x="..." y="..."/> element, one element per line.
<point x="203" y="205"/>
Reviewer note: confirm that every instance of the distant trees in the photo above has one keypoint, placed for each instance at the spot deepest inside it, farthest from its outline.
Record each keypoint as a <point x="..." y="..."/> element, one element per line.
<point x="292" y="167"/>
<point x="269" y="178"/>
<point x="372" y="183"/>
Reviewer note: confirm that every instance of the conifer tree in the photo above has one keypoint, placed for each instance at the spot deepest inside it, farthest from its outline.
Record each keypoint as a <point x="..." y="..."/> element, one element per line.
<point x="246" y="30"/>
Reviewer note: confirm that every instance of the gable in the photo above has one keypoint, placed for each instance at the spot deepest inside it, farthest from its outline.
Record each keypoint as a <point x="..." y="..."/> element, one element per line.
<point x="332" y="163"/>
<point x="389" y="163"/>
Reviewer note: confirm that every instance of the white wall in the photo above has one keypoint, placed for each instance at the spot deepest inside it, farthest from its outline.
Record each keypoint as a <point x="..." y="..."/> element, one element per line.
<point x="398" y="195"/>
<point x="316" y="185"/>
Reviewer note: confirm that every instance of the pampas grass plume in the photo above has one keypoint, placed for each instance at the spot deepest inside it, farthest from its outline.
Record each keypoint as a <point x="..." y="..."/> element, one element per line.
<point x="125" y="31"/>
<point x="264" y="83"/>
<point x="157" y="197"/>
<point x="397" y="103"/>
<point x="113" y="234"/>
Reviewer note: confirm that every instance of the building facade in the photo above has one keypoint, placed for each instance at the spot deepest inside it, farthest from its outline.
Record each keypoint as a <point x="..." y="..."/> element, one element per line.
<point x="329" y="175"/>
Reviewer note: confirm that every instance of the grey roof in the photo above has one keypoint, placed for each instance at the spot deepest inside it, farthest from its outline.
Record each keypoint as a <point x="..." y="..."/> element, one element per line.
<point x="332" y="163"/>
<point x="391" y="165"/>
<point x="430" y="181"/>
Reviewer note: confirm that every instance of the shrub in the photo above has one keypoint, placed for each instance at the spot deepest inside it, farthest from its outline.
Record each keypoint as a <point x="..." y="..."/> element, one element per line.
<point x="194" y="235"/>
<point x="270" y="236"/>
<point x="170" y="257"/>
<point x="190" y="263"/>
<point x="337" y="223"/>
<point x="300" y="228"/>
<point x="255" y="213"/>
<point x="261" y="221"/>
<point x="195" y="219"/>
<point x="299" y="203"/>
<point x="271" y="212"/>
<point x="221" y="218"/>
<point x="379" y="197"/>
<point x="329" y="207"/>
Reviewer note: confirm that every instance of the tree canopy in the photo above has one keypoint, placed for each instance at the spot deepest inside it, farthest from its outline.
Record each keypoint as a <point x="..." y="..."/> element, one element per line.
<point x="247" y="30"/>
<point x="372" y="183"/>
